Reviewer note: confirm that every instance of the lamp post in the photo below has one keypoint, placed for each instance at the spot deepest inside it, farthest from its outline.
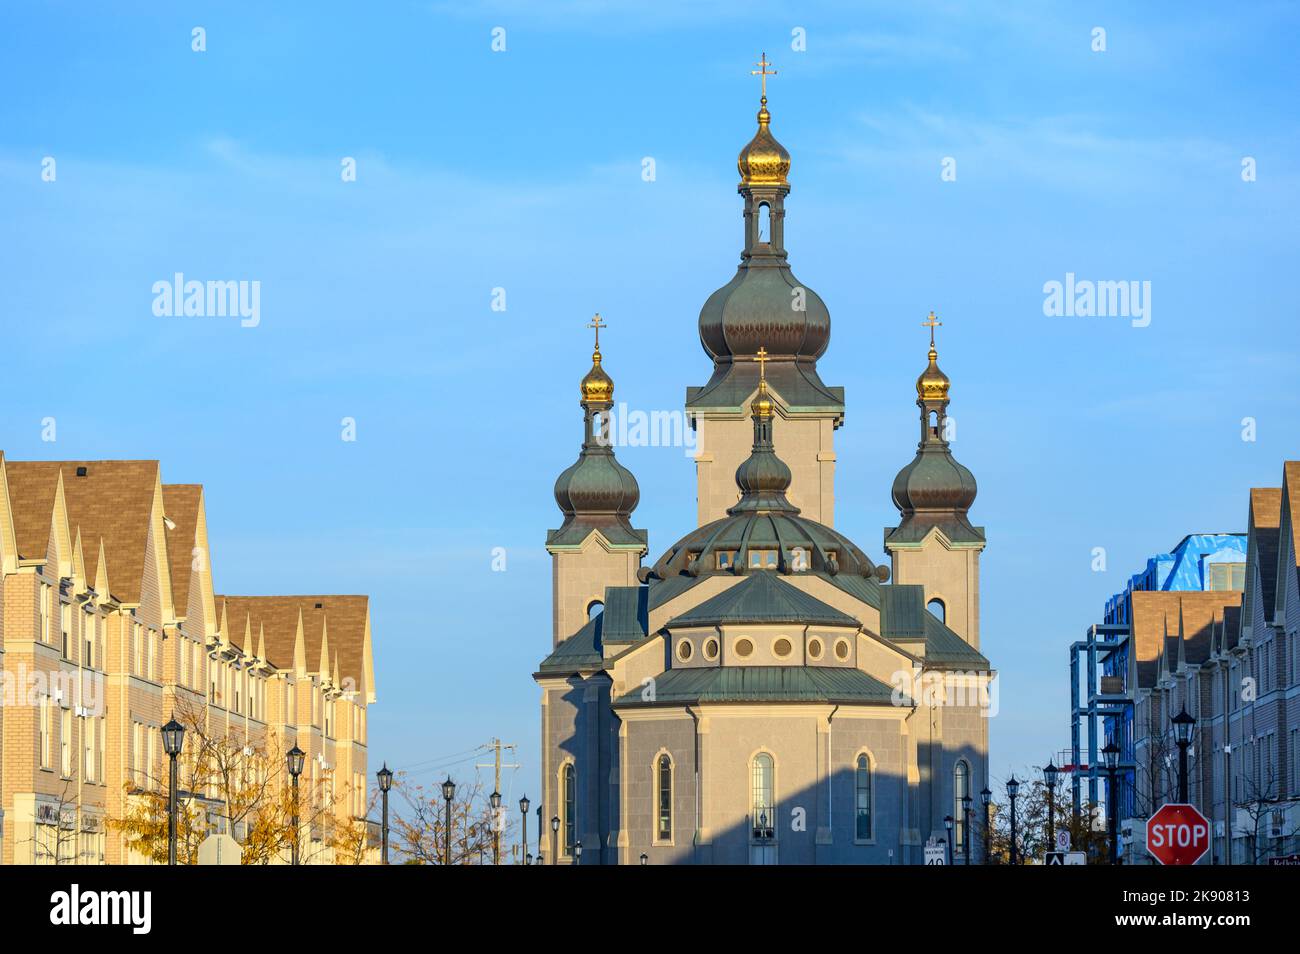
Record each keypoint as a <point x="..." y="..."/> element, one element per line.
<point x="965" y="828"/>
<point x="986" y="800"/>
<point x="1013" y="789"/>
<point x="295" y="757"/>
<point x="645" y="859"/>
<point x="1184" y="724"/>
<point x="1050" y="776"/>
<point x="448" y="793"/>
<point x="523" y="812"/>
<point x="173" y="734"/>
<point x="1111" y="755"/>
<point x="555" y="839"/>
<point x="495" y="801"/>
<point x="947" y="825"/>
<point x="385" y="776"/>
<point x="577" y="852"/>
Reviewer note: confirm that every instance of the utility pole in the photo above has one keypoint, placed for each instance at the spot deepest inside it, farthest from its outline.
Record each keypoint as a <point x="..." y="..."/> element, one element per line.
<point x="496" y="745"/>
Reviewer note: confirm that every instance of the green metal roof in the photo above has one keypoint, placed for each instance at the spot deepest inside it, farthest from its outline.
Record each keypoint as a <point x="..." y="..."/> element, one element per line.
<point x="625" y="614"/>
<point x="728" y="684"/>
<point x="903" y="617"/>
<point x="579" y="651"/>
<point x="762" y="597"/>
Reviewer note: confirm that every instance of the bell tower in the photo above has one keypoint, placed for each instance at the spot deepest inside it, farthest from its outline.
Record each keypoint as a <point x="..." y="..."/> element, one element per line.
<point x="765" y="305"/>
<point x="935" y="543"/>
<point x="596" y="545"/>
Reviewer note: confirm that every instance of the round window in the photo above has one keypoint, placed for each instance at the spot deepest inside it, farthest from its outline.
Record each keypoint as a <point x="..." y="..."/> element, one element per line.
<point x="744" y="648"/>
<point x="781" y="647"/>
<point x="842" y="649"/>
<point x="684" y="650"/>
<point x="815" y="648"/>
<point x="710" y="649"/>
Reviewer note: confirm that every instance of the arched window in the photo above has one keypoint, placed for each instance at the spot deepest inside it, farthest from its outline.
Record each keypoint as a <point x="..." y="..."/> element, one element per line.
<point x="594" y="609"/>
<point x="862" y="799"/>
<point x="960" y="789"/>
<point x="764" y="223"/>
<point x="936" y="607"/>
<point x="764" y="811"/>
<point x="664" y="828"/>
<point x="570" y="795"/>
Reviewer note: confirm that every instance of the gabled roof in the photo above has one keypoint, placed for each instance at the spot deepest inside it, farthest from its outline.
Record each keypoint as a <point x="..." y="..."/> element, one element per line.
<point x="181" y="507"/>
<point x="1265" y="519"/>
<point x="1161" y="615"/>
<point x="736" y="684"/>
<point x="276" y="617"/>
<point x="112" y="501"/>
<point x="762" y="597"/>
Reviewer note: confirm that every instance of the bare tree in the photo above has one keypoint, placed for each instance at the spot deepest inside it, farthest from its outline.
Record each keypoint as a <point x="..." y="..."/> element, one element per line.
<point x="420" y="824"/>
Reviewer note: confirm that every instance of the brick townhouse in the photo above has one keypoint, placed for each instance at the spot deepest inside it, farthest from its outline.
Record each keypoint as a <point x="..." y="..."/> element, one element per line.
<point x="111" y="624"/>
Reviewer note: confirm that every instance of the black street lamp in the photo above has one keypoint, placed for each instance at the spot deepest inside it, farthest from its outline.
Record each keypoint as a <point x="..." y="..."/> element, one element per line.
<point x="495" y="801"/>
<point x="1111" y="755"/>
<point x="385" y="776"/>
<point x="577" y="852"/>
<point x="1013" y="789"/>
<point x="645" y="859"/>
<point x="1184" y="725"/>
<point x="965" y="828"/>
<point x="295" y="758"/>
<point x="986" y="800"/>
<point x="555" y="839"/>
<point x="448" y="793"/>
<point x="523" y="812"/>
<point x="173" y="734"/>
<point x="1050" y="776"/>
<point x="947" y="825"/>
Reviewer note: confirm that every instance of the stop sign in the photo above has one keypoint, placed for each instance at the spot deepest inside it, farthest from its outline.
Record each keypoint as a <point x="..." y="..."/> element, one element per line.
<point x="1178" y="834"/>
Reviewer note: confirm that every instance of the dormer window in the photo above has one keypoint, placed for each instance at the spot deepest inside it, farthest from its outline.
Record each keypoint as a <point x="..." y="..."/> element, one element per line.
<point x="762" y="559"/>
<point x="726" y="559"/>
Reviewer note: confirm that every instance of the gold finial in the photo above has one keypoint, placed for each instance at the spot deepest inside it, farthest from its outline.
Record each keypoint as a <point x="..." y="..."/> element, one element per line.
<point x="762" y="405"/>
<point x="598" y="324"/>
<point x="764" y="161"/>
<point x="597" y="386"/>
<point x="932" y="323"/>
<point x="933" y="384"/>
<point x="764" y="72"/>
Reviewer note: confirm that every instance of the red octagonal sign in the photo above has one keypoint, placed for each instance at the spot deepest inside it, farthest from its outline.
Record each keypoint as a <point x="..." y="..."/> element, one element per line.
<point x="1178" y="834"/>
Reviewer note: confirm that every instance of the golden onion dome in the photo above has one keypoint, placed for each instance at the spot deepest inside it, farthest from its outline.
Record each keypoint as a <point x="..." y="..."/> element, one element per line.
<point x="764" y="161"/>
<point x="597" y="386"/>
<point x="762" y="405"/>
<point x="932" y="385"/>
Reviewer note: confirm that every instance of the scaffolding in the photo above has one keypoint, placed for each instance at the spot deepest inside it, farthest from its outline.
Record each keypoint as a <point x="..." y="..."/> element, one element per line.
<point x="1105" y="712"/>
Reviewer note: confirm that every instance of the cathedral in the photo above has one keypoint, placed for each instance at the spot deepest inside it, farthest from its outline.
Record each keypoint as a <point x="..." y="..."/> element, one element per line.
<point x="763" y="692"/>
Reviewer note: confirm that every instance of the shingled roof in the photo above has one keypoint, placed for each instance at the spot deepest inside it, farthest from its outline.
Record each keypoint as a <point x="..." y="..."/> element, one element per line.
<point x="1265" y="518"/>
<point x="109" y="501"/>
<point x="1160" y="614"/>
<point x="181" y="507"/>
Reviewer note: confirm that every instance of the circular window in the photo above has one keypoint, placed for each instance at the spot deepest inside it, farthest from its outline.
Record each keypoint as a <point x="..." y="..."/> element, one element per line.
<point x="744" y="648"/>
<point x="710" y="649"/>
<point x="815" y="648"/>
<point x="684" y="650"/>
<point x="781" y="647"/>
<point x="842" y="649"/>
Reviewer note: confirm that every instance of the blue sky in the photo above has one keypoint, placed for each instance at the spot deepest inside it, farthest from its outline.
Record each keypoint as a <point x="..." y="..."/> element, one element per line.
<point x="522" y="170"/>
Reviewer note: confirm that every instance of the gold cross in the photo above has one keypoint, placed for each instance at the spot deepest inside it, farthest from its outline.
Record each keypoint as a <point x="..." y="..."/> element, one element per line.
<point x="764" y="72"/>
<point x="597" y="324"/>
<point x="932" y="323"/>
<point x="761" y="358"/>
